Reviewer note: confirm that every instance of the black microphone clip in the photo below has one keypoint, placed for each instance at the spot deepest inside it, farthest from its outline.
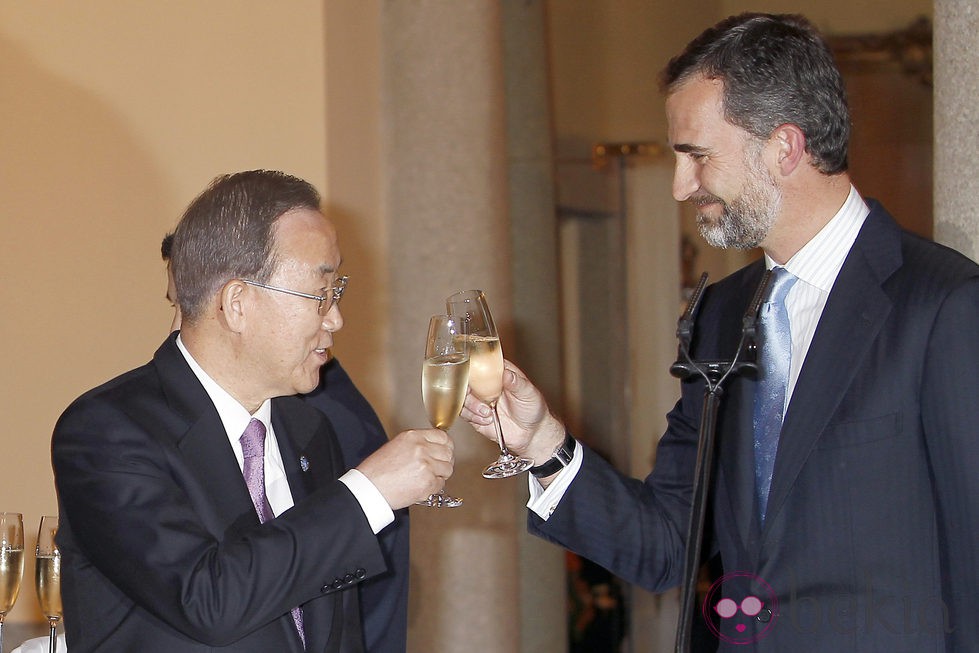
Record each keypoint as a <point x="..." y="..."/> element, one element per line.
<point x="747" y="353"/>
<point x="684" y="368"/>
<point x="749" y="325"/>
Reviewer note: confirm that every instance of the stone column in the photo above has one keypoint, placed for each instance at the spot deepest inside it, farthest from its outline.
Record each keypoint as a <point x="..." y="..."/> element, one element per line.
<point x="956" y="60"/>
<point x="535" y="338"/>
<point x="448" y="216"/>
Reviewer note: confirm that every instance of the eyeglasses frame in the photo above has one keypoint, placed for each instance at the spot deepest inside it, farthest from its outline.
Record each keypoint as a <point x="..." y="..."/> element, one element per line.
<point x="335" y="293"/>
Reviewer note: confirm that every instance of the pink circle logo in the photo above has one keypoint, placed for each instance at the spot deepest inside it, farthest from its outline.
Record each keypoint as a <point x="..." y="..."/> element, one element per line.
<point x="745" y="606"/>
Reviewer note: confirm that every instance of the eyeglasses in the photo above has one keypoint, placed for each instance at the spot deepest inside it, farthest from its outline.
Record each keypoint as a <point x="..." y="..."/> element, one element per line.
<point x="326" y="302"/>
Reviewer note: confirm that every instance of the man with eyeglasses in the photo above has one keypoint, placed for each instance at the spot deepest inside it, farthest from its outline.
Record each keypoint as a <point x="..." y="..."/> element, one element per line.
<point x="383" y="599"/>
<point x="200" y="502"/>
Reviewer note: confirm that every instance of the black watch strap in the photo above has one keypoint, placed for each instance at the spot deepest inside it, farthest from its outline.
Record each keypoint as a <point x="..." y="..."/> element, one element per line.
<point x="561" y="459"/>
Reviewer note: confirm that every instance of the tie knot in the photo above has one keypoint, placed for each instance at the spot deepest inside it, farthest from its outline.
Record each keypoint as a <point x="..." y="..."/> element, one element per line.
<point x="782" y="282"/>
<point x="253" y="439"/>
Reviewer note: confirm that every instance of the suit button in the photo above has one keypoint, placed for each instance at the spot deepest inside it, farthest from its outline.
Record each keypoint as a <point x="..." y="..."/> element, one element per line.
<point x="349" y="578"/>
<point x="337" y="584"/>
<point x="764" y="616"/>
<point x="361" y="573"/>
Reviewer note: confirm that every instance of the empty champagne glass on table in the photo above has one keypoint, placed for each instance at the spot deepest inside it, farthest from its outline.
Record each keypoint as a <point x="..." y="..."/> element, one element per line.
<point x="445" y="375"/>
<point x="486" y="372"/>
<point x="11" y="562"/>
<point x="48" y="575"/>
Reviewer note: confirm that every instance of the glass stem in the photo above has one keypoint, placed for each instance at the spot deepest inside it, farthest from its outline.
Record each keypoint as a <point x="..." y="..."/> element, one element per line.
<point x="499" y="432"/>
<point x="53" y="640"/>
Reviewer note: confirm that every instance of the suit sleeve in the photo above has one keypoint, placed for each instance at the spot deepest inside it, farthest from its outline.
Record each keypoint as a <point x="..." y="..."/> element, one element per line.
<point x="950" y="418"/>
<point x="127" y="512"/>
<point x="635" y="529"/>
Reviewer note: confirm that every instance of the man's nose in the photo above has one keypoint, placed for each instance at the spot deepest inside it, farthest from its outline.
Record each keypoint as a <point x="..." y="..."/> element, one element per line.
<point x="685" y="179"/>
<point x="333" y="320"/>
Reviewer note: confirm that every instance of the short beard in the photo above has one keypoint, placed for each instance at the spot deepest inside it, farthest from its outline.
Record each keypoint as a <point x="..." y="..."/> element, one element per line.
<point x="746" y="221"/>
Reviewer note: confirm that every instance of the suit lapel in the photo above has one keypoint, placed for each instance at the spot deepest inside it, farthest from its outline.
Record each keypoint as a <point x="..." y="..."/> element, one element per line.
<point x="308" y="445"/>
<point x="204" y="444"/>
<point x="208" y="453"/>
<point x="855" y="311"/>
<point x="738" y="459"/>
<point x="292" y="438"/>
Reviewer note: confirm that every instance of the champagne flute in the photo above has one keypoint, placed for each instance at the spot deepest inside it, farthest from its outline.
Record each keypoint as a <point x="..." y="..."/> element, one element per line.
<point x="48" y="575"/>
<point x="11" y="562"/>
<point x="486" y="372"/>
<point x="445" y="374"/>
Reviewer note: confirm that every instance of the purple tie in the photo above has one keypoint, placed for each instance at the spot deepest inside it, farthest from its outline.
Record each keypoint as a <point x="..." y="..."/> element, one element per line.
<point x="775" y="357"/>
<point x="253" y="450"/>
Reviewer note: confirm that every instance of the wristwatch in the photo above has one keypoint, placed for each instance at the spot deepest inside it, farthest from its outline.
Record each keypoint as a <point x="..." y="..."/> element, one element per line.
<point x="561" y="459"/>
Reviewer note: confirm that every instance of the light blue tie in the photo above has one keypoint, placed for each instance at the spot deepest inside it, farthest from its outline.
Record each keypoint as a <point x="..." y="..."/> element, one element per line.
<point x="253" y="450"/>
<point x="774" y="361"/>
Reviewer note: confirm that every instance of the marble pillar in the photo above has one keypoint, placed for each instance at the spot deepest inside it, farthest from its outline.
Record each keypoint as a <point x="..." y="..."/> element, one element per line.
<point x="463" y="162"/>
<point x="956" y="60"/>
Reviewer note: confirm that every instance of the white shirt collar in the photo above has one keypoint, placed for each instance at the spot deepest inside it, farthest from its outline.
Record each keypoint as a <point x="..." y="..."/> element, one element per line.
<point x="819" y="261"/>
<point x="233" y="415"/>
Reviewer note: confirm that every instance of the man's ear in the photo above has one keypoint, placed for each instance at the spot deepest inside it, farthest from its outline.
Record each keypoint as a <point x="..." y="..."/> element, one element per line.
<point x="233" y="305"/>
<point x="790" y="147"/>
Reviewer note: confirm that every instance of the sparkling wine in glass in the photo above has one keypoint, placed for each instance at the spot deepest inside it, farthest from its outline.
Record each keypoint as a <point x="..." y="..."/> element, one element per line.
<point x="486" y="372"/>
<point x="445" y="374"/>
<point x="11" y="562"/>
<point x="47" y="576"/>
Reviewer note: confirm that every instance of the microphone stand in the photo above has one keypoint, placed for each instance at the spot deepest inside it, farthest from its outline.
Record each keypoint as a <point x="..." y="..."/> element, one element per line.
<point x="714" y="373"/>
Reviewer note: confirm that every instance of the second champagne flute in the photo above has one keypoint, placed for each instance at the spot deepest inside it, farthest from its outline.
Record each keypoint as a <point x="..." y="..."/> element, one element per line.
<point x="48" y="575"/>
<point x="486" y="372"/>
<point x="11" y="562"/>
<point x="445" y="374"/>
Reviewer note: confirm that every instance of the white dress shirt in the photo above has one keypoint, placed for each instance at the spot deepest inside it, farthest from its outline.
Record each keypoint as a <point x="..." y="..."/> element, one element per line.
<point x="816" y="265"/>
<point x="235" y="418"/>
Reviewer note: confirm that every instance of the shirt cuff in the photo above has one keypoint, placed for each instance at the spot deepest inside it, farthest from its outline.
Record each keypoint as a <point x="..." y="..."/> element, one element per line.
<point x="372" y="502"/>
<point x="544" y="501"/>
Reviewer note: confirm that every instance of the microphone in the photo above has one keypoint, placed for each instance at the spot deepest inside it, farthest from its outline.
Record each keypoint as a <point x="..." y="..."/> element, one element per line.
<point x="749" y="325"/>
<point x="684" y="368"/>
<point x="747" y="352"/>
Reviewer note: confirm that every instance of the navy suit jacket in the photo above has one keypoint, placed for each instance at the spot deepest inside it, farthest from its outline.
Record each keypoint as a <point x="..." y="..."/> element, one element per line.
<point x="162" y="551"/>
<point x="384" y="598"/>
<point x="871" y="542"/>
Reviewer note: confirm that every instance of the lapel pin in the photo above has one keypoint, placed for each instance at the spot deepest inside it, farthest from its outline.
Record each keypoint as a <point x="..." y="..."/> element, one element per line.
<point x="304" y="463"/>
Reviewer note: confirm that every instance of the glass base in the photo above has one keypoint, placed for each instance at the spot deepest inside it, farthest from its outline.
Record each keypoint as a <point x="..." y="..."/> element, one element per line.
<point x="440" y="500"/>
<point x="507" y="465"/>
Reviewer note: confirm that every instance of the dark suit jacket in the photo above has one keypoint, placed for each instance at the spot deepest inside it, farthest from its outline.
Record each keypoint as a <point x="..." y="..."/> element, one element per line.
<point x="872" y="534"/>
<point x="161" y="548"/>
<point x="384" y="598"/>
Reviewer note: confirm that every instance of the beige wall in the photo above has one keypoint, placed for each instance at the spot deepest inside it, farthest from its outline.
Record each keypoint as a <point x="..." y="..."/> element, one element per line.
<point x="356" y="198"/>
<point x="114" y="115"/>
